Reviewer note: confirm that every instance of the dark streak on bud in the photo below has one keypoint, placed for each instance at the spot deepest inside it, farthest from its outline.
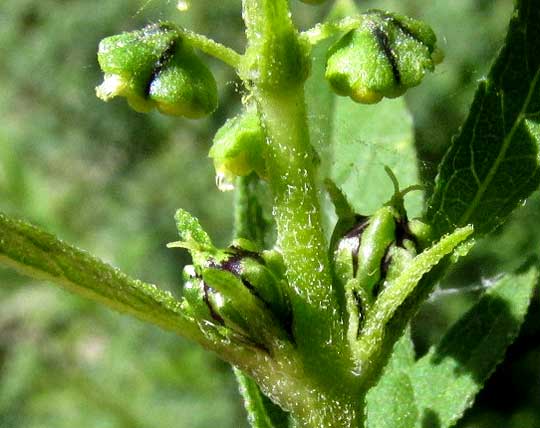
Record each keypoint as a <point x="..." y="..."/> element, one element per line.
<point x="385" y="264"/>
<point x="358" y="301"/>
<point x="356" y="232"/>
<point x="242" y="252"/>
<point x="257" y="345"/>
<point x="230" y="265"/>
<point x="396" y="22"/>
<point x="403" y="28"/>
<point x="403" y="232"/>
<point x="234" y="266"/>
<point x="384" y="44"/>
<point x="161" y="63"/>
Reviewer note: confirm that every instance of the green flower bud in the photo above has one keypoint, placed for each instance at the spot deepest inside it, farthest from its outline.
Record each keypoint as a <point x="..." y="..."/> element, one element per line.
<point x="368" y="257"/>
<point x="155" y="68"/>
<point x="387" y="54"/>
<point x="258" y="273"/>
<point x="361" y="252"/>
<point x="196" y="302"/>
<point x="236" y="289"/>
<point x="218" y="299"/>
<point x="238" y="149"/>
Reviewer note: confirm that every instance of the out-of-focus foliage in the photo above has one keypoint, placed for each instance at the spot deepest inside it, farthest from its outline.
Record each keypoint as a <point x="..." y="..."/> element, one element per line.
<point x="109" y="180"/>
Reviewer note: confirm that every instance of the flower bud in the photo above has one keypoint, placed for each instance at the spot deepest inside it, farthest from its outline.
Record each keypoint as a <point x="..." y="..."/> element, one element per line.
<point x="387" y="54"/>
<point x="236" y="289"/>
<point x="155" y="68"/>
<point x="218" y="299"/>
<point x="258" y="273"/>
<point x="239" y="147"/>
<point x="361" y="252"/>
<point x="369" y="257"/>
<point x="196" y="298"/>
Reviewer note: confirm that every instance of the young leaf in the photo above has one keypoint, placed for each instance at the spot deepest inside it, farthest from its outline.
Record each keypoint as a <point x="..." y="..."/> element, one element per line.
<point x="447" y="379"/>
<point x="39" y="254"/>
<point x="355" y="141"/>
<point x="262" y="413"/>
<point x="391" y="402"/>
<point x="494" y="163"/>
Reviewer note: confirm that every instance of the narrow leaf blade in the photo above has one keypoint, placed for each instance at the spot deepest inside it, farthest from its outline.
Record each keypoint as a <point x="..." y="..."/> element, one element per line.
<point x="447" y="379"/>
<point x="262" y="413"/>
<point x="40" y="255"/>
<point x="391" y="403"/>
<point x="494" y="163"/>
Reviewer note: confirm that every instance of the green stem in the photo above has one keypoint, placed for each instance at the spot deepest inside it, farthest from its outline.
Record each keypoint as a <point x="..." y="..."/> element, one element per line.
<point x="40" y="255"/>
<point x="325" y="30"/>
<point x="211" y="47"/>
<point x="275" y="68"/>
<point x="273" y="50"/>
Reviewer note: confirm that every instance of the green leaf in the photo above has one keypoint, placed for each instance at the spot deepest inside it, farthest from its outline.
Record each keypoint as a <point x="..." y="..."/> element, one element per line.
<point x="40" y="255"/>
<point x="494" y="163"/>
<point x="367" y="138"/>
<point x="262" y="413"/>
<point x="391" y="402"/>
<point x="190" y="229"/>
<point x="355" y="141"/>
<point x="447" y="379"/>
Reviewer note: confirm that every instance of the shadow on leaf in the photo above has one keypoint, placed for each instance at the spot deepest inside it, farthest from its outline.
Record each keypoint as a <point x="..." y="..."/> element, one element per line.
<point x="430" y="419"/>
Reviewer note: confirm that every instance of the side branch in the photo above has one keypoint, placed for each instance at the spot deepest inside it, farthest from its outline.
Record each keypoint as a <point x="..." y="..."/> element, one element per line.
<point x="211" y="47"/>
<point x="40" y="255"/>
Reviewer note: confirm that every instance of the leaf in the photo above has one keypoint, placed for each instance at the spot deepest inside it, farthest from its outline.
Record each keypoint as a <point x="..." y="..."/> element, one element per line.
<point x="391" y="402"/>
<point x="356" y="141"/>
<point x="447" y="379"/>
<point x="262" y="413"/>
<point x="190" y="229"/>
<point x="494" y="163"/>
<point x="40" y="255"/>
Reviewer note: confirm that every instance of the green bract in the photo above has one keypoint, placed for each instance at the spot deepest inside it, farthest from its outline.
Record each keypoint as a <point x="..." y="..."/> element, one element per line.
<point x="238" y="147"/>
<point x="155" y="68"/>
<point x="387" y="54"/>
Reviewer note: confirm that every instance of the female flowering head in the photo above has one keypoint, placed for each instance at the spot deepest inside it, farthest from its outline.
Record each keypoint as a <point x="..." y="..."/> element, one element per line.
<point x="383" y="57"/>
<point x="155" y="68"/>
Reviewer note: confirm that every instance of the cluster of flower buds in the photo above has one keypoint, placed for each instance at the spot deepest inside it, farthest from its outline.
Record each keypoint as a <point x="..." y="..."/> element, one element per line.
<point x="369" y="252"/>
<point x="238" y="291"/>
<point x="156" y="68"/>
<point x="372" y="252"/>
<point x="383" y="57"/>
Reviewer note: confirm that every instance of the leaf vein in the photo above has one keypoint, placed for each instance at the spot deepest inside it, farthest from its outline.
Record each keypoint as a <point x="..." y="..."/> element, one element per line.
<point x="500" y="157"/>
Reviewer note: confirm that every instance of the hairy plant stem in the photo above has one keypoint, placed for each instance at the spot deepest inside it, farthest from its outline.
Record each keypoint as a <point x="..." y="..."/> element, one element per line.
<point x="290" y="164"/>
<point x="274" y="68"/>
<point x="211" y="47"/>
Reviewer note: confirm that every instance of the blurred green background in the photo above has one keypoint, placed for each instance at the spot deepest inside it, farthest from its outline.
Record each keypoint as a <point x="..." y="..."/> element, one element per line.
<point x="109" y="180"/>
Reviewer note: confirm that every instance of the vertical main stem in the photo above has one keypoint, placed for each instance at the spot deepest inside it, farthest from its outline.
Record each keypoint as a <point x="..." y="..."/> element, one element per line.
<point x="275" y="68"/>
<point x="290" y="163"/>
